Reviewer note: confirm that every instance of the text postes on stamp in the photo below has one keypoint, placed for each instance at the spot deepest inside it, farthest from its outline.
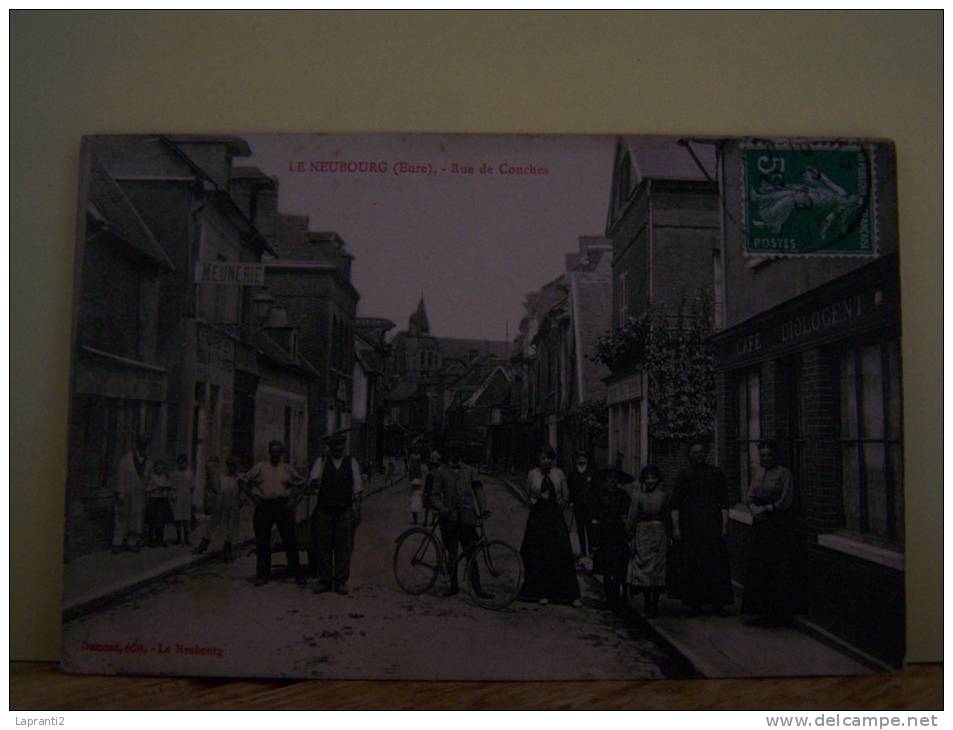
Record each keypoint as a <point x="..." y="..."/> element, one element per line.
<point x="808" y="198"/>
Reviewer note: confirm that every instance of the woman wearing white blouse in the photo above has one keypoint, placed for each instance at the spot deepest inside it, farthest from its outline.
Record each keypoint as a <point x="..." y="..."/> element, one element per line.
<point x="546" y="550"/>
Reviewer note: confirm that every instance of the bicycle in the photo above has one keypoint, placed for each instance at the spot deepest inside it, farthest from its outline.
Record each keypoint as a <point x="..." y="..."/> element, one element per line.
<point x="420" y="557"/>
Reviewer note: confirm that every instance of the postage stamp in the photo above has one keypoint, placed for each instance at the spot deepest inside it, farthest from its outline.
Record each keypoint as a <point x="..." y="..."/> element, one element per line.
<point x="808" y="198"/>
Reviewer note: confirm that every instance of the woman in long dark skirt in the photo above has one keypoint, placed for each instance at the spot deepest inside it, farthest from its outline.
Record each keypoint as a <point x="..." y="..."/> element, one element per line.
<point x="550" y="568"/>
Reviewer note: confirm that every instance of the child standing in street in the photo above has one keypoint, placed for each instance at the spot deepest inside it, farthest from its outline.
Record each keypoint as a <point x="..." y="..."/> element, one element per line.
<point x="183" y="484"/>
<point x="158" y="511"/>
<point x="611" y="560"/>
<point x="231" y="506"/>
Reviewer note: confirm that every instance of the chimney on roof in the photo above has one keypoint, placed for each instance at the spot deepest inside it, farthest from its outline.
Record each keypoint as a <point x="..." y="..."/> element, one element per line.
<point x="257" y="195"/>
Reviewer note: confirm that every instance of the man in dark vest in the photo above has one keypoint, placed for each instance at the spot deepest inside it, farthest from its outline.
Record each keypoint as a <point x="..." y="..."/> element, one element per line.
<point x="337" y="479"/>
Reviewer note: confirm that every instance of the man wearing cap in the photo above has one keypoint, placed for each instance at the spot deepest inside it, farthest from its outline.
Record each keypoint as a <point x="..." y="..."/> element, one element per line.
<point x="460" y="502"/>
<point x="337" y="479"/>
<point x="269" y="486"/>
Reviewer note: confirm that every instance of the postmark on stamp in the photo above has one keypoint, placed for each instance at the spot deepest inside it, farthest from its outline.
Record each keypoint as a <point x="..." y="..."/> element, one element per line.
<point x="808" y="198"/>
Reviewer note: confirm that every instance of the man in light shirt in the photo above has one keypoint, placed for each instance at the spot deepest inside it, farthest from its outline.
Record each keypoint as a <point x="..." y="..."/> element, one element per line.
<point x="270" y="485"/>
<point x="337" y="479"/>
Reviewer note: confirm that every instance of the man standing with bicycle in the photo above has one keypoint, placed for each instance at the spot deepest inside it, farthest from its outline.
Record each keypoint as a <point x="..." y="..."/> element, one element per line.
<point x="460" y="502"/>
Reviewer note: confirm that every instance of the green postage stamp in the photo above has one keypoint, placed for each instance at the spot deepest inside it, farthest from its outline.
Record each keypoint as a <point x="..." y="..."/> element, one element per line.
<point x="808" y="198"/>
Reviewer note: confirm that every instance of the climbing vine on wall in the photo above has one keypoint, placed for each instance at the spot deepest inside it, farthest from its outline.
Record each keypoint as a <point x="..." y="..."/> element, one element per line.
<point x="675" y="354"/>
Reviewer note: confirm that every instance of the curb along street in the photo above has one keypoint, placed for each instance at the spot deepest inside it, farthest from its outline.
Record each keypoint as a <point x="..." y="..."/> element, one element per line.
<point x="100" y="598"/>
<point x="630" y="619"/>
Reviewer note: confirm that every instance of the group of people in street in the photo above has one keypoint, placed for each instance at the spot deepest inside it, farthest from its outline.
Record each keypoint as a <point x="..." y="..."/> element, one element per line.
<point x="649" y="539"/>
<point x="640" y="535"/>
<point x="275" y="487"/>
<point x="147" y="500"/>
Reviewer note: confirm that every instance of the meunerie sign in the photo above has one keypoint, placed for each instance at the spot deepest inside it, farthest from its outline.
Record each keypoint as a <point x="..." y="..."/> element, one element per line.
<point x="227" y="272"/>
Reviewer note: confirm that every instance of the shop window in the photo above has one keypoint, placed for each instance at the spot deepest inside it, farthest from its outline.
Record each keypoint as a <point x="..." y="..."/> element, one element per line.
<point x="243" y="427"/>
<point x="625" y="421"/>
<point x="749" y="427"/>
<point x="109" y="428"/>
<point x="111" y="310"/>
<point x="870" y="440"/>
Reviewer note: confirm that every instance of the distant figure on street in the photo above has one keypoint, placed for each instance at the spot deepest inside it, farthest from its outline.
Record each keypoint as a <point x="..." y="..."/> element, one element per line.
<point x="158" y="509"/>
<point x="611" y="559"/>
<point x="270" y="486"/>
<point x="770" y="580"/>
<point x="416" y="474"/>
<point x="132" y="475"/>
<point x="432" y="468"/>
<point x="224" y="504"/>
<point x="460" y="502"/>
<point x="648" y="518"/>
<point x="699" y="529"/>
<point x="546" y="550"/>
<point x="583" y="492"/>
<point x="211" y="507"/>
<point x="183" y="485"/>
<point x="337" y="479"/>
<point x="231" y="507"/>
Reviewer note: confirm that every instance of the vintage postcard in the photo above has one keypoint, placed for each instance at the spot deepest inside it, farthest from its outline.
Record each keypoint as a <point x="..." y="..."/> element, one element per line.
<point x="485" y="407"/>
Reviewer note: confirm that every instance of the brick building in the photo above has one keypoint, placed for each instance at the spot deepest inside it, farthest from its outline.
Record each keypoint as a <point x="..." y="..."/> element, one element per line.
<point x="120" y="386"/>
<point x="663" y="221"/>
<point x="466" y="416"/>
<point x="422" y="371"/>
<point x="810" y="356"/>
<point x="311" y="279"/>
<point x="556" y="375"/>
<point x="370" y="388"/>
<point x="205" y="341"/>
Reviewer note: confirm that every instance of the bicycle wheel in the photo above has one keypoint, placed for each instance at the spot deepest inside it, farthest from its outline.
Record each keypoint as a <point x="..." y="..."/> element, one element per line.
<point x="417" y="561"/>
<point x="498" y="570"/>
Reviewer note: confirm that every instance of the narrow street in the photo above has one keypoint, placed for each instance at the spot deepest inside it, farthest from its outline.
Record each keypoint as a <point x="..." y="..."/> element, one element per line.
<point x="213" y="621"/>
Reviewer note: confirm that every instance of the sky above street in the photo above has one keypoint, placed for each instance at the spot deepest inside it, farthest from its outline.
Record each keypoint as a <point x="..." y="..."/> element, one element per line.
<point x="473" y="243"/>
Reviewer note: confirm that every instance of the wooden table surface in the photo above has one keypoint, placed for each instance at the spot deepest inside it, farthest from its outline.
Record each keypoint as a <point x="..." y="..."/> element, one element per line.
<point x="42" y="686"/>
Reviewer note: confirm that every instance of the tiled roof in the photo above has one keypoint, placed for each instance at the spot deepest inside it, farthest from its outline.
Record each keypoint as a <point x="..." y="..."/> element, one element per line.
<point x="120" y="217"/>
<point x="459" y="349"/>
<point x="245" y="171"/>
<point x="494" y="389"/>
<point x="238" y="146"/>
